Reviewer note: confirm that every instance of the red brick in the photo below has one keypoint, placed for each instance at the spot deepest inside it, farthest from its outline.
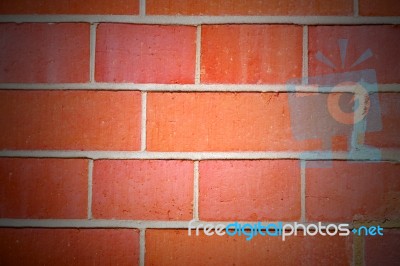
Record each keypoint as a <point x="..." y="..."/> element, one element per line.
<point x="175" y="247"/>
<point x="249" y="7"/>
<point x="350" y="191"/>
<point x="39" y="53"/>
<point x="70" y="7"/>
<point x="69" y="247"/>
<point x="43" y="188"/>
<point x="249" y="190"/>
<point x="388" y="136"/>
<point x="232" y="122"/>
<point x="70" y="120"/>
<point x="143" y="190"/>
<point x="382" y="40"/>
<point x="250" y="53"/>
<point x="383" y="250"/>
<point x="379" y="8"/>
<point x="145" y="53"/>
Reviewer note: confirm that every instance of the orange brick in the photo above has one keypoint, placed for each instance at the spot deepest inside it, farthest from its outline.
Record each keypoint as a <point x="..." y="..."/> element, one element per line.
<point x="70" y="7"/>
<point x="249" y="7"/>
<point x="250" y="53"/>
<point x="379" y="8"/>
<point x="388" y="136"/>
<point x="249" y="190"/>
<point x="175" y="247"/>
<point x="353" y="191"/>
<point x="143" y="190"/>
<point x="69" y="247"/>
<point x="145" y="53"/>
<point x="232" y="122"/>
<point x="383" y="250"/>
<point x="43" y="188"/>
<point x="383" y="41"/>
<point x="70" y="120"/>
<point x="39" y="53"/>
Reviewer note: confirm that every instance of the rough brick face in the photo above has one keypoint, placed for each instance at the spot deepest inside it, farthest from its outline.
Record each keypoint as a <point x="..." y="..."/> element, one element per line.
<point x="39" y="52"/>
<point x="383" y="41"/>
<point x="249" y="190"/>
<point x="383" y="250"/>
<point x="250" y="53"/>
<point x="175" y="247"/>
<point x="233" y="122"/>
<point x="249" y="7"/>
<point x="350" y="191"/>
<point x="115" y="7"/>
<point x="69" y="246"/>
<point x="379" y="8"/>
<point x="71" y="120"/>
<point x="388" y="136"/>
<point x="143" y="190"/>
<point x="43" y="188"/>
<point x="145" y="53"/>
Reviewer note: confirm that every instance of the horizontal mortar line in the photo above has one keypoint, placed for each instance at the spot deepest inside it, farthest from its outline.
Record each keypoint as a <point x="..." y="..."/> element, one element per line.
<point x="387" y="155"/>
<point x="145" y="224"/>
<point x="197" y="20"/>
<point x="395" y="87"/>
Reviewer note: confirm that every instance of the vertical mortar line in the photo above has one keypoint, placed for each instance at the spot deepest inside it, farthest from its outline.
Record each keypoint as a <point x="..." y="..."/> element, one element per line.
<point x="90" y="185"/>
<point x="143" y="121"/>
<point x="198" y="56"/>
<point x="142" y="246"/>
<point x="305" y="56"/>
<point x="142" y="8"/>
<point x="303" y="190"/>
<point x="196" y="191"/>
<point x="358" y="250"/>
<point x="355" y="7"/>
<point x="92" y="55"/>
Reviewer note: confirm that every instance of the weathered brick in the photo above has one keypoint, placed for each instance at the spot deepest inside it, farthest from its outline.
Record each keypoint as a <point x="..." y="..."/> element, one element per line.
<point x="350" y="191"/>
<point x="383" y="250"/>
<point x="379" y="8"/>
<point x="40" y="53"/>
<point x="249" y="190"/>
<point x="70" y="7"/>
<point x="145" y="53"/>
<point x="142" y="190"/>
<point x="69" y="246"/>
<point x="249" y="7"/>
<point x="221" y="122"/>
<point x="383" y="42"/>
<point x="250" y="53"/>
<point x="70" y="120"/>
<point x="43" y="188"/>
<point x="388" y="136"/>
<point x="175" y="247"/>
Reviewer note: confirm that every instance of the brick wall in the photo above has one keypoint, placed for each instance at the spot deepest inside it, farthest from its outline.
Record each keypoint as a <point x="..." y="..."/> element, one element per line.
<point x="121" y="121"/>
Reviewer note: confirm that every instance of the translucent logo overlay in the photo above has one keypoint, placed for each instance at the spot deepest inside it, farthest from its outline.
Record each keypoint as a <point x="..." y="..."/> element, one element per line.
<point x="337" y="105"/>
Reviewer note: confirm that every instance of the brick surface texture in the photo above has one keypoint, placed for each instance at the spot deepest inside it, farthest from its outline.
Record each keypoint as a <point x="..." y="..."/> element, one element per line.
<point x="130" y="130"/>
